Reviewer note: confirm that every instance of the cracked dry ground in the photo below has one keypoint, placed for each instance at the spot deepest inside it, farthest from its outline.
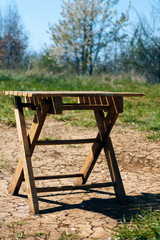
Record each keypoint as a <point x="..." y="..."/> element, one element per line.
<point x="90" y="214"/>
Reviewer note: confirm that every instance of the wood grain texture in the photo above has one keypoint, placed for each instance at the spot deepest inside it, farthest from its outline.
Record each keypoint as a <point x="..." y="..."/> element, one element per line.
<point x="27" y="147"/>
<point x="70" y="141"/>
<point x="72" y="94"/>
<point x="26" y="157"/>
<point x="114" y="171"/>
<point x="73" y="175"/>
<point x="85" y="107"/>
<point x="33" y="135"/>
<point x="105" y="125"/>
<point x="81" y="187"/>
<point x="17" y="179"/>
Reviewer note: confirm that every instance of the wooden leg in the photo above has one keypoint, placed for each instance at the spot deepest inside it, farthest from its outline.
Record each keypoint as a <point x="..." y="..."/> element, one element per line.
<point x="89" y="162"/>
<point x="24" y="168"/>
<point x="17" y="179"/>
<point x="32" y="138"/>
<point x="96" y="147"/>
<point x="26" y="157"/>
<point x="105" y="125"/>
<point x="114" y="171"/>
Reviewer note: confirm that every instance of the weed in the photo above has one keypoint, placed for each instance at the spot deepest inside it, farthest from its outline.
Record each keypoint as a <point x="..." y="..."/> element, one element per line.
<point x="39" y="234"/>
<point x="20" y="235"/>
<point x="145" y="225"/>
<point x="16" y="234"/>
<point x="68" y="236"/>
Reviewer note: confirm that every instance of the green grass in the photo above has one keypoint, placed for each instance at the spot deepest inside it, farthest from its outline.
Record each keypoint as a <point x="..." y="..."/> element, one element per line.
<point x="144" y="226"/>
<point x="68" y="236"/>
<point x="139" y="113"/>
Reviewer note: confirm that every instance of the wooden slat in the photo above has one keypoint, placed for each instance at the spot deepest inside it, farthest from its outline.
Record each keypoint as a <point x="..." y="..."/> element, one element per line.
<point x="57" y="105"/>
<point x="84" y="107"/>
<point x="104" y="101"/>
<point x="86" y="100"/>
<point x="71" y="93"/>
<point x="81" y="100"/>
<point x="118" y="101"/>
<point x="59" y="176"/>
<point x="61" y="142"/>
<point x="28" y="101"/>
<point x="29" y="105"/>
<point x="66" y="188"/>
<point x="97" y="99"/>
<point x="92" y="101"/>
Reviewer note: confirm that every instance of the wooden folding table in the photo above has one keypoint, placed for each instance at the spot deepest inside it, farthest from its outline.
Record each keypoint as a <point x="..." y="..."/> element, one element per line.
<point x="106" y="107"/>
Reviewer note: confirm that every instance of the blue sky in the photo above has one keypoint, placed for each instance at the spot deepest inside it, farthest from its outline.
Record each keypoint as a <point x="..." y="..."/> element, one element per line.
<point x="36" y="14"/>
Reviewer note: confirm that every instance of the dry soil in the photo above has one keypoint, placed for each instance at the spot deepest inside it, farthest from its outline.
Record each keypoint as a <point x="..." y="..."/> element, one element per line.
<point x="89" y="214"/>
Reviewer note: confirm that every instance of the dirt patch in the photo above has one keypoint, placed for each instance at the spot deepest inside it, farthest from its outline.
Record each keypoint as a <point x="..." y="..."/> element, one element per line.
<point x="90" y="214"/>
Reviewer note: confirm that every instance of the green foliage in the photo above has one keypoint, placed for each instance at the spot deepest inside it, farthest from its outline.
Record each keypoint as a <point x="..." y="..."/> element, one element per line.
<point x="144" y="226"/>
<point x="84" y="32"/>
<point x="140" y="113"/>
<point x="142" y="53"/>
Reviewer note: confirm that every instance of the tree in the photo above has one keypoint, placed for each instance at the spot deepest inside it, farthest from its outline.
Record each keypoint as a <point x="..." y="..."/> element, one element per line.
<point x="156" y="7"/>
<point x="85" y="30"/>
<point x="13" y="40"/>
<point x="142" y="54"/>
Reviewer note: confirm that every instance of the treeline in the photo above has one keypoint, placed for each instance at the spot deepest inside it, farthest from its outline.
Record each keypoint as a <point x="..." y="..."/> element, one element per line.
<point x="92" y="37"/>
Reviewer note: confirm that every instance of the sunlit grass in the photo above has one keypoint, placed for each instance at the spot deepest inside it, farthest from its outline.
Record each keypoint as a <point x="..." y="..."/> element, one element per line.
<point x="145" y="225"/>
<point x="140" y="113"/>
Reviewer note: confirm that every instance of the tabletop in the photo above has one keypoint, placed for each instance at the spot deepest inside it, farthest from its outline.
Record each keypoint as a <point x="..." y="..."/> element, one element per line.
<point x="72" y="94"/>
